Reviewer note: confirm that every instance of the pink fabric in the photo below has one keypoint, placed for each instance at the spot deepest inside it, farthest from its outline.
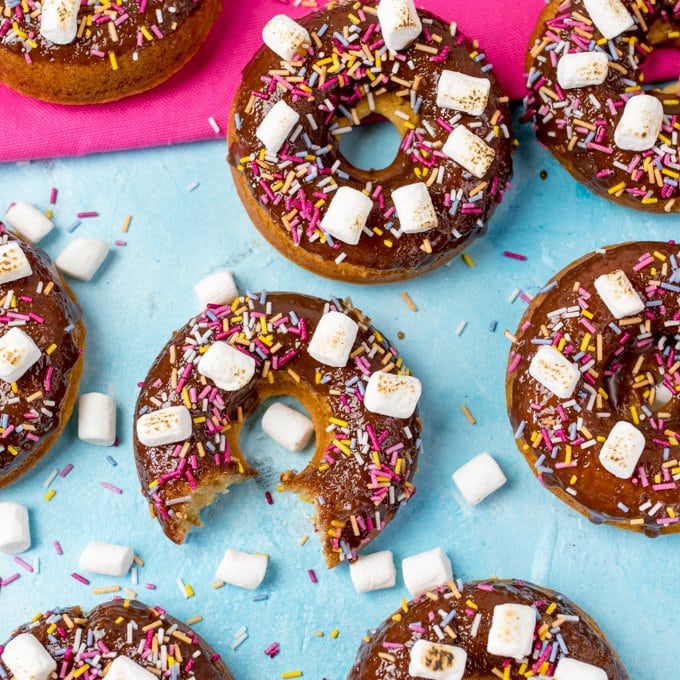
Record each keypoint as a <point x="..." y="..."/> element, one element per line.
<point x="178" y="111"/>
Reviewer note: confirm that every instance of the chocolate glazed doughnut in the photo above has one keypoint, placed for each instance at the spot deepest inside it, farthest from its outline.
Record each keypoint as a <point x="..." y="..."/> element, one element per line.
<point x="593" y="386"/>
<point x="369" y="226"/>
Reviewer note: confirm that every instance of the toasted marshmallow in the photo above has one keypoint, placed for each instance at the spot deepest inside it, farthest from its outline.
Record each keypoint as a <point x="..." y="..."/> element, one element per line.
<point x="618" y="294"/>
<point x="13" y="263"/>
<point x="392" y="395"/>
<point x="373" y="572"/>
<point x="461" y="92"/>
<point x="582" y="69"/>
<point x="59" y="21"/>
<point x="124" y="668"/>
<point x="285" y="37"/>
<point x="347" y="215"/>
<point x="28" y="221"/>
<point x="609" y="16"/>
<point x="512" y="631"/>
<point x="27" y="659"/>
<point x="399" y="22"/>
<point x="18" y="353"/>
<point x="107" y="559"/>
<point x="276" y="126"/>
<point x="165" y="426"/>
<point x="554" y="371"/>
<point x="622" y="450"/>
<point x="426" y="571"/>
<point x="82" y="257"/>
<point x="415" y="211"/>
<point x="469" y="151"/>
<point x="434" y="661"/>
<point x="216" y="289"/>
<point x="97" y="419"/>
<point x="15" y="533"/>
<point x="287" y="427"/>
<point x="242" y="569"/>
<point x="479" y="478"/>
<point x="640" y="124"/>
<point x="229" y="368"/>
<point x="333" y="339"/>
<point x="572" y="669"/>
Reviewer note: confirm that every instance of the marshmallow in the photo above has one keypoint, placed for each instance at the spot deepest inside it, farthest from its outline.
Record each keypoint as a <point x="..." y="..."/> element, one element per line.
<point x="333" y="338"/>
<point x="287" y="427"/>
<point x="572" y="669"/>
<point x="426" y="571"/>
<point x="581" y="69"/>
<point x="618" y="294"/>
<point x="373" y="572"/>
<point x="15" y="534"/>
<point x="347" y="215"/>
<point x="392" y="395"/>
<point x="512" y="631"/>
<point x="415" y="211"/>
<point x="82" y="257"/>
<point x="461" y="92"/>
<point x="640" y="124"/>
<point x="59" y="21"/>
<point x="166" y="426"/>
<point x="18" y="353"/>
<point x="399" y="23"/>
<point x="609" y="16"/>
<point x="285" y="37"/>
<point x="216" y="289"/>
<point x="229" y="368"/>
<point x="124" y="668"/>
<point x="97" y="419"/>
<point x="13" y="263"/>
<point x="27" y="659"/>
<point x="479" y="478"/>
<point x="434" y="661"/>
<point x="106" y="558"/>
<point x="242" y="569"/>
<point x="28" y="221"/>
<point x="622" y="450"/>
<point x="554" y="371"/>
<point x="469" y="151"/>
<point x="276" y="126"/>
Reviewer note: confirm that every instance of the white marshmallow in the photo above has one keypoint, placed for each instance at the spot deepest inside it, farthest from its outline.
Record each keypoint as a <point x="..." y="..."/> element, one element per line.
<point x="59" y="21"/>
<point x="108" y="559"/>
<point x="609" y="16"/>
<point x="512" y="631"/>
<point x="426" y="571"/>
<point x="618" y="294"/>
<point x="285" y="37"/>
<point x="97" y="419"/>
<point x="621" y="451"/>
<point x="165" y="426"/>
<point x="347" y="215"/>
<point x="414" y="208"/>
<point x="82" y="257"/>
<point x="373" y="572"/>
<point x="479" y="478"/>
<point x="229" y="368"/>
<point x="434" y="661"/>
<point x="18" y="353"/>
<point x="469" y="151"/>
<point x="287" y="427"/>
<point x="582" y="69"/>
<point x="572" y="669"/>
<point x="461" y="92"/>
<point x="554" y="371"/>
<point x="27" y="659"/>
<point x="399" y="22"/>
<point x="13" y="263"/>
<point x="15" y="533"/>
<point x="216" y="289"/>
<point x="28" y="221"/>
<point x="242" y="569"/>
<point x="333" y="339"/>
<point x="124" y="668"/>
<point x="276" y="126"/>
<point x="392" y="395"/>
<point x="640" y="124"/>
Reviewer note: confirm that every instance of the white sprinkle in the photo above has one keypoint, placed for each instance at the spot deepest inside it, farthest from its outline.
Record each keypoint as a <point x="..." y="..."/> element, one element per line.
<point x="214" y="125"/>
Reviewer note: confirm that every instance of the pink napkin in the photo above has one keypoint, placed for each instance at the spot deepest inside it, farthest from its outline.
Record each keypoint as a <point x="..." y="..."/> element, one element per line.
<point x="179" y="110"/>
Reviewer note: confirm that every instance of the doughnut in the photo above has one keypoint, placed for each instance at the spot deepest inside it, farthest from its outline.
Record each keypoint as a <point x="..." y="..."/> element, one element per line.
<point x="447" y="634"/>
<point x="313" y="81"/>
<point x="68" y="52"/>
<point x="42" y="339"/>
<point x="215" y="371"/>
<point x="125" y="639"/>
<point x="588" y="106"/>
<point x="593" y="383"/>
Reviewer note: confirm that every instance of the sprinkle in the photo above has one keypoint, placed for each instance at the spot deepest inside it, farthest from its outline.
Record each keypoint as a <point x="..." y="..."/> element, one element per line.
<point x="468" y="415"/>
<point x="214" y="125"/>
<point x="126" y="224"/>
<point x="409" y="302"/>
<point x="312" y="576"/>
<point x="80" y="579"/>
<point x="514" y="256"/>
<point x="111" y="487"/>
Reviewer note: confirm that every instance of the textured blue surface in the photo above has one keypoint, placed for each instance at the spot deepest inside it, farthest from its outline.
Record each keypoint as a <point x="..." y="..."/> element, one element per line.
<point x="144" y="291"/>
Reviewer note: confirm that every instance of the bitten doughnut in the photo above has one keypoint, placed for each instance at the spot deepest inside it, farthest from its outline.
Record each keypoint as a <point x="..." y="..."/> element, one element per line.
<point x="217" y="369"/>
<point x="593" y="386"/>
<point x="42" y="339"/>
<point x="586" y="100"/>
<point x="124" y="639"/>
<point x="313" y="81"/>
<point x="69" y="52"/>
<point x="483" y="628"/>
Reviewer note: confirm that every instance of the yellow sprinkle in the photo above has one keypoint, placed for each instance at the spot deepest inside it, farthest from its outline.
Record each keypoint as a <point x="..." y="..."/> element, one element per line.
<point x="334" y="633"/>
<point x="106" y="590"/>
<point x="81" y="671"/>
<point x="304" y="540"/>
<point x="114" y="61"/>
<point x="126" y="224"/>
<point x="50" y="495"/>
<point x="292" y="674"/>
<point x="407" y="299"/>
<point x="468" y="260"/>
<point x="468" y="415"/>
<point x="617" y="188"/>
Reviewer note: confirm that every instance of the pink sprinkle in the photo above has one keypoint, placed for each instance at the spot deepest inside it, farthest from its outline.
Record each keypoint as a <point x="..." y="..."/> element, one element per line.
<point x="268" y="496"/>
<point x="53" y="196"/>
<point x="57" y="548"/>
<point x="514" y="256"/>
<point x="23" y="564"/>
<point x="80" y="579"/>
<point x="150" y="586"/>
<point x="312" y="576"/>
<point x="65" y="472"/>
<point x="120" y="243"/>
<point x="10" y="579"/>
<point x="86" y="214"/>
<point x="111" y="487"/>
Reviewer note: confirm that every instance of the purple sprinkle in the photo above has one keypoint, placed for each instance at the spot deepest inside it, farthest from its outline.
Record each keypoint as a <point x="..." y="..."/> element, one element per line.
<point x="80" y="578"/>
<point x="111" y="487"/>
<point x="23" y="564"/>
<point x="312" y="576"/>
<point x="65" y="472"/>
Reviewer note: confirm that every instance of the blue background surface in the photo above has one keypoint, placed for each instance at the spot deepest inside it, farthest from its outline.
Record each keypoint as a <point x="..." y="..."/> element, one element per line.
<point x="144" y="291"/>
